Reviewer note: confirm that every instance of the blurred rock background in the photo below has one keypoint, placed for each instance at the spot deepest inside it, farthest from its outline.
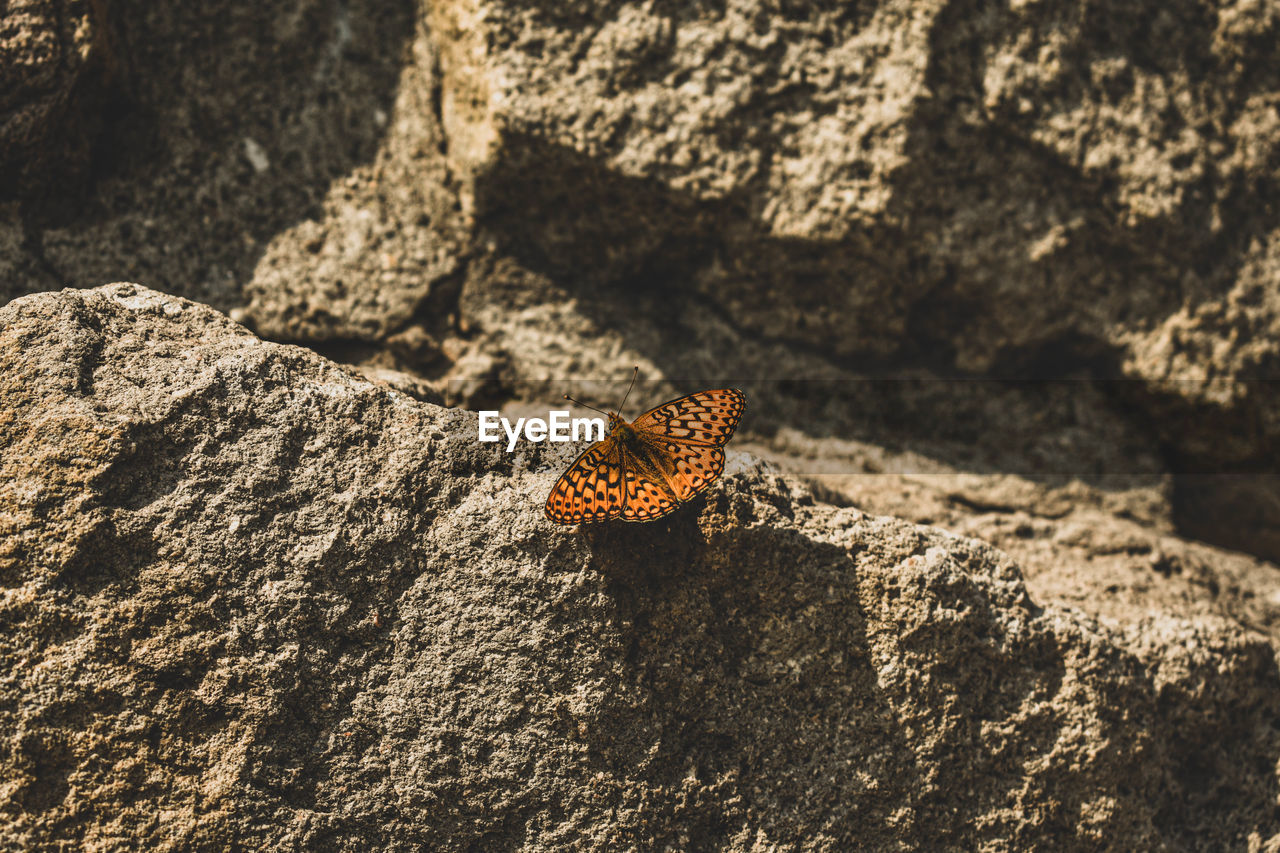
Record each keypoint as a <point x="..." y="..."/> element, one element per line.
<point x="1006" y="269"/>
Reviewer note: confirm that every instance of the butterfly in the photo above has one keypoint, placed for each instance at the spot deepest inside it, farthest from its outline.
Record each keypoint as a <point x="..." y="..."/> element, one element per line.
<point x="645" y="469"/>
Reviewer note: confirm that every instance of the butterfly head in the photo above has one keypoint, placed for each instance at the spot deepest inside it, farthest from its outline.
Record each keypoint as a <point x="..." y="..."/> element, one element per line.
<point x="617" y="426"/>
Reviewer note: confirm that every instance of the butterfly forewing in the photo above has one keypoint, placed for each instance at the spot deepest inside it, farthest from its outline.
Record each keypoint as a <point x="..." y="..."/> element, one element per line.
<point x="708" y="417"/>
<point x="591" y="490"/>
<point x="687" y="433"/>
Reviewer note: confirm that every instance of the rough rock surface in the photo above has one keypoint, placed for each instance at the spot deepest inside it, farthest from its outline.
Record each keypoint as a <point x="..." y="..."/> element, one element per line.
<point x="235" y="123"/>
<point x="56" y="62"/>
<point x="1037" y="192"/>
<point x="1090" y="179"/>
<point x="1031" y="191"/>
<point x="1004" y="270"/>
<point x="251" y="598"/>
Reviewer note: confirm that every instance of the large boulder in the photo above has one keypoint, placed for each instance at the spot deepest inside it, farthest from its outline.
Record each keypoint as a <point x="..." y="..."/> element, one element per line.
<point x="994" y="182"/>
<point x="253" y="599"/>
<point x="1038" y="192"/>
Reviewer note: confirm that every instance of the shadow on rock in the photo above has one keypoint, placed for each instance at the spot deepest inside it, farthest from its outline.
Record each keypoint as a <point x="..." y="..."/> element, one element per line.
<point x="224" y="124"/>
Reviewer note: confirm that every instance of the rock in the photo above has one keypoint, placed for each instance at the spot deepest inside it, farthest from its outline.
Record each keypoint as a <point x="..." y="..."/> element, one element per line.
<point x="57" y="62"/>
<point x="254" y="593"/>
<point x="893" y="189"/>
<point x="203" y="178"/>
<point x="1108" y="551"/>
<point x="1022" y="194"/>
<point x="882" y="167"/>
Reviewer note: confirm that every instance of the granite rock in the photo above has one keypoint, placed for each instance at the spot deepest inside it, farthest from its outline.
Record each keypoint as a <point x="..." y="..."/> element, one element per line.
<point x="254" y="599"/>
<point x="1026" y="193"/>
<point x="57" y="61"/>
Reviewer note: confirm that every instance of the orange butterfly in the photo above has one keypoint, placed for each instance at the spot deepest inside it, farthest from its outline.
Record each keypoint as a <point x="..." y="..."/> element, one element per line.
<point x="645" y="469"/>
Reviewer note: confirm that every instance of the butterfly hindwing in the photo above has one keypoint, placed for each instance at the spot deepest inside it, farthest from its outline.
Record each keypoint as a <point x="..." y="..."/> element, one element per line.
<point x="592" y="488"/>
<point x="647" y="498"/>
<point x="693" y="466"/>
<point x="708" y="417"/>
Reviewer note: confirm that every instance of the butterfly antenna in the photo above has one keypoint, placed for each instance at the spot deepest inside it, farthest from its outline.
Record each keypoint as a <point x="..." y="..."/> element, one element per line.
<point x="634" y="374"/>
<point x="584" y="405"/>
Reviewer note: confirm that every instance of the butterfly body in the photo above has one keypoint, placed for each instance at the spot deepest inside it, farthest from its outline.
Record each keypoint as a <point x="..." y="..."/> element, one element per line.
<point x="644" y="469"/>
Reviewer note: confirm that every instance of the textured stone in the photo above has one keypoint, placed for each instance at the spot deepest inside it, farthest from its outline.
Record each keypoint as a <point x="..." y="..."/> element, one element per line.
<point x="1004" y="270"/>
<point x="235" y="127"/>
<point x="56" y="62"/>
<point x="1056" y="176"/>
<point x="1037" y="192"/>
<point x="279" y="605"/>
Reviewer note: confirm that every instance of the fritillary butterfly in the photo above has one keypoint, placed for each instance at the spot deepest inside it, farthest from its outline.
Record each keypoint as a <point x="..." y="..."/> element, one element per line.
<point x="645" y="469"/>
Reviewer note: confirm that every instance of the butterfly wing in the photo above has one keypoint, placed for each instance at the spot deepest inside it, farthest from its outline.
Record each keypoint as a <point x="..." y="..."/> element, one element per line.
<point x="685" y="436"/>
<point x="591" y="490"/>
<point x="708" y="417"/>
<point x="647" y="492"/>
<point x="690" y="467"/>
